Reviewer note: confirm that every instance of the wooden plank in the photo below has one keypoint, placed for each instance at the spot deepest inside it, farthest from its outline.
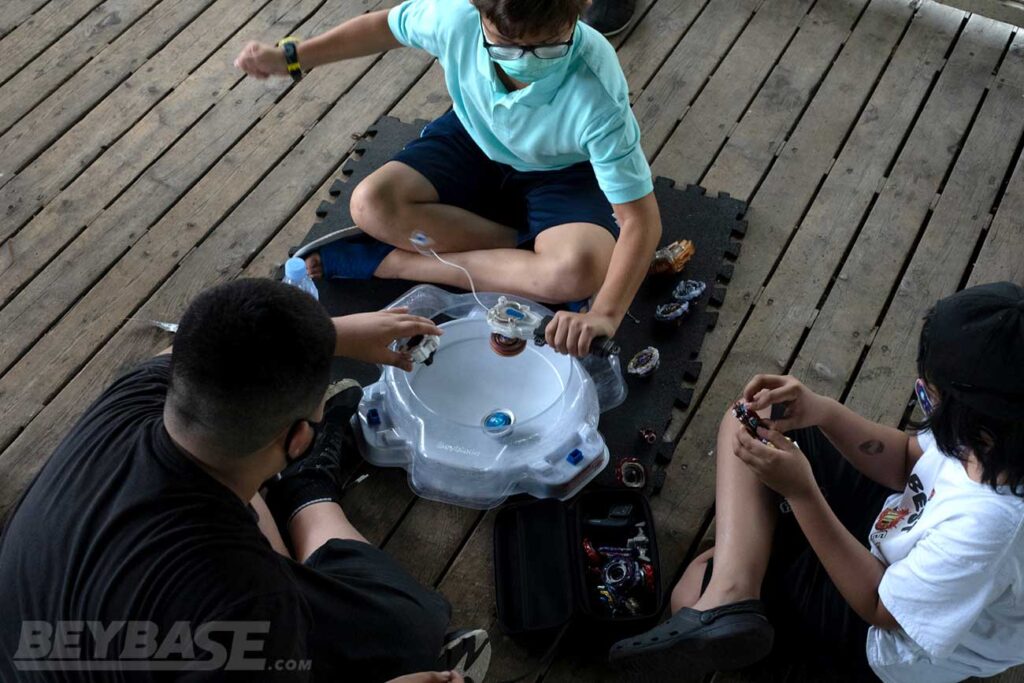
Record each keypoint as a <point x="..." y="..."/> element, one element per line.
<point x="427" y="99"/>
<point x="1010" y="11"/>
<point x="689" y="487"/>
<point x="39" y="78"/>
<point x="1001" y="256"/>
<point x="76" y="267"/>
<point x="95" y="184"/>
<point x="704" y="127"/>
<point x="858" y="296"/>
<point x="942" y="256"/>
<point x="26" y="136"/>
<point x="124" y="222"/>
<point x="39" y="31"/>
<point x="13" y="13"/>
<point x="751" y="147"/>
<point x="265" y="167"/>
<point x="663" y="101"/>
<point x="654" y="37"/>
<point x="59" y="162"/>
<point x="794" y="177"/>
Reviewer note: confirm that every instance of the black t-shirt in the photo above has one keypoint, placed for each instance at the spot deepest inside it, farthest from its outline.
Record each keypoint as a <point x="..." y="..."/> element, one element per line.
<point x="121" y="526"/>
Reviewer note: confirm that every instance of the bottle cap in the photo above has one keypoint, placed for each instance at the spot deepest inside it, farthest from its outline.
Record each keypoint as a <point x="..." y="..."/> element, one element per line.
<point x="295" y="268"/>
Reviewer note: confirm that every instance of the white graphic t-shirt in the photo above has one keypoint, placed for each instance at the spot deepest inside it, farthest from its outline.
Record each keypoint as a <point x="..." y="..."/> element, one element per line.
<point x="954" y="549"/>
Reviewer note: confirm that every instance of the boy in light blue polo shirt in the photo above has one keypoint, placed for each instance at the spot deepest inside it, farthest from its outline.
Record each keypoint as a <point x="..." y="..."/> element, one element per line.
<point x="535" y="182"/>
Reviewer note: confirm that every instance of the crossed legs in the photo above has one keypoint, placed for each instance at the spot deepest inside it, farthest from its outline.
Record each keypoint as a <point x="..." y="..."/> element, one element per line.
<point x="568" y="261"/>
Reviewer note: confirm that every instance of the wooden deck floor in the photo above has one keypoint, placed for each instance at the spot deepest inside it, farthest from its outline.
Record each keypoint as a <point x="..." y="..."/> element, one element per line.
<point x="879" y="147"/>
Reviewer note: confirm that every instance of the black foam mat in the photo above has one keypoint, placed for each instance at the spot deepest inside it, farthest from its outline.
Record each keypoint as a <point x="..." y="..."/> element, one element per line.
<point x="712" y="223"/>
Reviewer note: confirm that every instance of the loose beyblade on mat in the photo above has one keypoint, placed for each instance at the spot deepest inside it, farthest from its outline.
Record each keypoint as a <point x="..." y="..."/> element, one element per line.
<point x="645" y="362"/>
<point x="672" y="258"/>
<point x="669" y="312"/>
<point x="688" y="290"/>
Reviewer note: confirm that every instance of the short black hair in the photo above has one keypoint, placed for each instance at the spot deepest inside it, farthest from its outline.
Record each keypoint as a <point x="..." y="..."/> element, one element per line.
<point x="517" y="18"/>
<point x="250" y="358"/>
<point x="997" y="443"/>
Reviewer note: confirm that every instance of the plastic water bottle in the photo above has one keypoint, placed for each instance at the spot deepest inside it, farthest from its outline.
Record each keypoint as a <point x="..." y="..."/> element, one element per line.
<point x="295" y="275"/>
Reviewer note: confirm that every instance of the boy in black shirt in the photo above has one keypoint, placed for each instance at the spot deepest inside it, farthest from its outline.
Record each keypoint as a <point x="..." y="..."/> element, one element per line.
<point x="143" y="550"/>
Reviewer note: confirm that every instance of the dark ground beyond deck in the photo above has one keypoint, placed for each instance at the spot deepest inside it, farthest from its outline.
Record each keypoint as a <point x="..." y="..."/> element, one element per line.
<point x="878" y="143"/>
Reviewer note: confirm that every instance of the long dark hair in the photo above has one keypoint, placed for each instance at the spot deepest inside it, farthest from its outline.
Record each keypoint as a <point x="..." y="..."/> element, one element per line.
<point x="997" y="443"/>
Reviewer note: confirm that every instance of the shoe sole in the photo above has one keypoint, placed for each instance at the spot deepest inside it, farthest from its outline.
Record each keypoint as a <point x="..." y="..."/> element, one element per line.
<point x="694" y="657"/>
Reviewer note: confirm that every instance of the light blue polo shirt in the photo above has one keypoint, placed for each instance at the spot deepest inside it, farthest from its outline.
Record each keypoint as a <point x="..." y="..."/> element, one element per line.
<point x="579" y="113"/>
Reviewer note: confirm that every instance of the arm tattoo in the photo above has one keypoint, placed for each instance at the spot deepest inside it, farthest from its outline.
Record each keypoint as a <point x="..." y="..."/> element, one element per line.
<point x="873" y="447"/>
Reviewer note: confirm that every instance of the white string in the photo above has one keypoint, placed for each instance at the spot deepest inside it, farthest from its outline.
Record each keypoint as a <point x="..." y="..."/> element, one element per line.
<point x="430" y="252"/>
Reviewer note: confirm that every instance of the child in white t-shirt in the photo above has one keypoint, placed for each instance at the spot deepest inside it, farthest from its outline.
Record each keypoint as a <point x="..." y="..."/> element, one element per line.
<point x="817" y="555"/>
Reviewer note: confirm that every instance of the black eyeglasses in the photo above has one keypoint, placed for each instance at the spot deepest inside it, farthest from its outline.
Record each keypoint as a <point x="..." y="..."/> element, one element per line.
<point x="509" y="52"/>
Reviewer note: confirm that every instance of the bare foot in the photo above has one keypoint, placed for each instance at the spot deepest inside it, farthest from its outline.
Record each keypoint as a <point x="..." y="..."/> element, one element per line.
<point x="314" y="266"/>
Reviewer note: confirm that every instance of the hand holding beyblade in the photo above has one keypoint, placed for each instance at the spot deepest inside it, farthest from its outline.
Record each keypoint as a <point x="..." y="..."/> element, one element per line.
<point x="777" y="461"/>
<point x="801" y="406"/>
<point x="370" y="337"/>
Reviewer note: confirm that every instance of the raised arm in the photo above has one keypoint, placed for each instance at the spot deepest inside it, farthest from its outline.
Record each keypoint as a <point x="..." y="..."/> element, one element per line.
<point x="364" y="35"/>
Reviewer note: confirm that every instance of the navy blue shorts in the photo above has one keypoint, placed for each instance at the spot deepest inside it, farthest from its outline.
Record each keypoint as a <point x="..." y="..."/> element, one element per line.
<point x="530" y="202"/>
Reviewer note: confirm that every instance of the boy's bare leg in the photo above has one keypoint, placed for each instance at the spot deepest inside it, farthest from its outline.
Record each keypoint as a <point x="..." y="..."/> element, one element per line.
<point x="744" y="523"/>
<point x="396" y="200"/>
<point x="315" y="524"/>
<point x="568" y="263"/>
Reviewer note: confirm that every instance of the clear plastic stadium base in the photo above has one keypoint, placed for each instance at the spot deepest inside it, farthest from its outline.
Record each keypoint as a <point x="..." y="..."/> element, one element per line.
<point x="474" y="427"/>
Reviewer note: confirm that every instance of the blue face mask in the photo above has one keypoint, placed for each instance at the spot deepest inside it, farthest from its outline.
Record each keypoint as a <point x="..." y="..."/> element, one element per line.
<point x="530" y="67"/>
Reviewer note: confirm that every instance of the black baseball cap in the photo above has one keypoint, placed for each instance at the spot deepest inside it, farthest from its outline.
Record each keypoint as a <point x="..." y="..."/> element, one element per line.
<point x="974" y="348"/>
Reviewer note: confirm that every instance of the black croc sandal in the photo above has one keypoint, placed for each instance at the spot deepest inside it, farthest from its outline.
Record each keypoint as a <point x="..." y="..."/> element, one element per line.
<point x="696" y="643"/>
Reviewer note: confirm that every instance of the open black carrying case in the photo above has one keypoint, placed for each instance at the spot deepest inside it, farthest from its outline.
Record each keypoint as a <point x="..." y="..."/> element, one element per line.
<point x="546" y="576"/>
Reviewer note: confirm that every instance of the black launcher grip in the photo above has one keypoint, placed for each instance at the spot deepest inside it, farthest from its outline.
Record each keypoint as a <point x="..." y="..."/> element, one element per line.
<point x="602" y="347"/>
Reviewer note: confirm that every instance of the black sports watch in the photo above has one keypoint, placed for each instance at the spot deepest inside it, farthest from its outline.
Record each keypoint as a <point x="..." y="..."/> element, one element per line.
<point x="291" y="57"/>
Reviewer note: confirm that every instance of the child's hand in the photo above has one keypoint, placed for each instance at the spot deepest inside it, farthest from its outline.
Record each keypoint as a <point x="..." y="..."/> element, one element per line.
<point x="782" y="466"/>
<point x="262" y="61"/>
<point x="804" y="408"/>
<point x="367" y="336"/>
<point x="572" y="333"/>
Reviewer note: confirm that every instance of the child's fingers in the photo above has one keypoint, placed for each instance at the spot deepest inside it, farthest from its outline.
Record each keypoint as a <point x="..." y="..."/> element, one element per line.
<point x="415" y="326"/>
<point x="759" y="382"/>
<point x="775" y="438"/>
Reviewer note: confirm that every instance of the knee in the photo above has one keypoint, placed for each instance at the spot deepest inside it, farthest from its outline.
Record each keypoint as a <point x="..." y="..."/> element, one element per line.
<point x="573" y="276"/>
<point x="375" y="207"/>
<point x="729" y="424"/>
